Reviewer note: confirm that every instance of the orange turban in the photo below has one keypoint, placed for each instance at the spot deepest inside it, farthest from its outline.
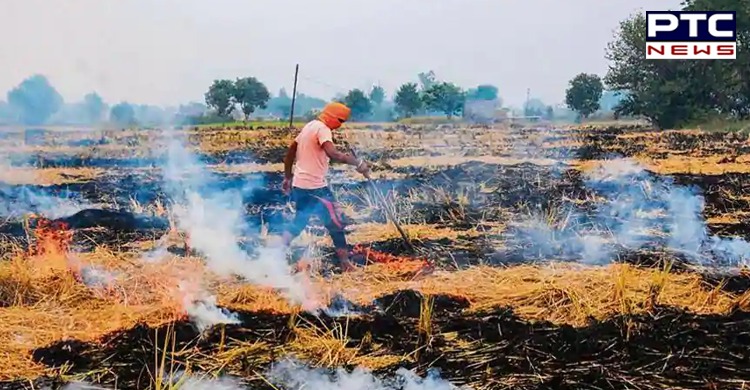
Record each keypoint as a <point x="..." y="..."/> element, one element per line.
<point x="334" y="114"/>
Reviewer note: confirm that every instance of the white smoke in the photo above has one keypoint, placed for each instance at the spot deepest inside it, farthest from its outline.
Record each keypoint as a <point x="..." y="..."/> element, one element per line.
<point x="636" y="207"/>
<point x="177" y="381"/>
<point x="192" y="381"/>
<point x="79" y="386"/>
<point x="204" y="312"/>
<point x="19" y="199"/>
<point x="213" y="219"/>
<point x="294" y="376"/>
<point x="97" y="278"/>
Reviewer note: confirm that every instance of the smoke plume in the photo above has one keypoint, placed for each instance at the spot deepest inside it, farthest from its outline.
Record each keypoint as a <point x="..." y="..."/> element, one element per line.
<point x="17" y="200"/>
<point x="293" y="375"/>
<point x="214" y="220"/>
<point x="638" y="207"/>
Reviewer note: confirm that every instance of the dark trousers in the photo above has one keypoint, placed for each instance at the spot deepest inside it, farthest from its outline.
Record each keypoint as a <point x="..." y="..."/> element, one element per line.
<point x="319" y="202"/>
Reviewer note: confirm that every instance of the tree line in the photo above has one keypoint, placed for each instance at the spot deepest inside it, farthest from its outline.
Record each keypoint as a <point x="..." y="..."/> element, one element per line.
<point x="430" y="97"/>
<point x="35" y="102"/>
<point x="668" y="93"/>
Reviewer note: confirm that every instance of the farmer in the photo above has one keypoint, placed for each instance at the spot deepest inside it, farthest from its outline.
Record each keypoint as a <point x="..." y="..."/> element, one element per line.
<point x="312" y="150"/>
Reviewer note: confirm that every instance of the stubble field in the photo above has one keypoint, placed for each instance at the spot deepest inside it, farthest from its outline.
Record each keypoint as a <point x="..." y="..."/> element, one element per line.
<point x="594" y="257"/>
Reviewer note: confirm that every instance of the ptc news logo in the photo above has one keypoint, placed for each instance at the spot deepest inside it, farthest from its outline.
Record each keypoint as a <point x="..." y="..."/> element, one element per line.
<point x="691" y="35"/>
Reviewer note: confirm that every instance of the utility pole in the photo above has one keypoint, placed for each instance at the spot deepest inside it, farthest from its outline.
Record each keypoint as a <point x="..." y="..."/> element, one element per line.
<point x="528" y="95"/>
<point x="294" y="97"/>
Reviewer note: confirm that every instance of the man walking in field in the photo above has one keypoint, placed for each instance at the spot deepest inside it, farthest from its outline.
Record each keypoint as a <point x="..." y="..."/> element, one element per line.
<point x="313" y="149"/>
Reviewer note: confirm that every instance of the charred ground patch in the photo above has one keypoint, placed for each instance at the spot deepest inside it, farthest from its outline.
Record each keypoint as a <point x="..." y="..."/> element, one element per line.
<point x="494" y="349"/>
<point x="725" y="193"/>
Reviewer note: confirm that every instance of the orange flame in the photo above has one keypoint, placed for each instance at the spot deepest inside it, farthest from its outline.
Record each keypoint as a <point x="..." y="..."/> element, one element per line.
<point x="396" y="263"/>
<point x="52" y="238"/>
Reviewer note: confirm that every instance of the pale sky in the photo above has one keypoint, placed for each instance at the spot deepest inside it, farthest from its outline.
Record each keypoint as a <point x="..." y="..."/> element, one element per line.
<point x="168" y="52"/>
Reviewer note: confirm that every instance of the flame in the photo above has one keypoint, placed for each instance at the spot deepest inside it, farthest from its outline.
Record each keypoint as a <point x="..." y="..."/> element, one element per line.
<point x="52" y="237"/>
<point x="167" y="284"/>
<point x="399" y="264"/>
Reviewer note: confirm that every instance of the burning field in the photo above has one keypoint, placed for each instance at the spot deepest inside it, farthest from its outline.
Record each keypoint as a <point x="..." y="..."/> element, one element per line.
<point x="543" y="258"/>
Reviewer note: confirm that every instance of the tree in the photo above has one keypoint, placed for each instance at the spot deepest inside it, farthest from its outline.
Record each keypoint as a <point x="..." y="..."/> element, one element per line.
<point x="377" y="95"/>
<point x="220" y="97"/>
<point x="6" y="113"/>
<point x="483" y="92"/>
<point x="94" y="107"/>
<point x="35" y="100"/>
<point x="445" y="97"/>
<point x="610" y="100"/>
<point x="122" y="114"/>
<point x="282" y="104"/>
<point x="427" y="80"/>
<point x="148" y="115"/>
<point x="534" y="107"/>
<point x="190" y="113"/>
<point x="584" y="94"/>
<point x="669" y="93"/>
<point x="250" y="94"/>
<point x="549" y="114"/>
<point x="734" y="91"/>
<point x="358" y="102"/>
<point x="407" y="100"/>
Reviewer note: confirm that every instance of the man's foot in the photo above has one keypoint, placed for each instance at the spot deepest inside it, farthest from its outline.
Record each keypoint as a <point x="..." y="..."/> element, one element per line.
<point x="302" y="266"/>
<point x="344" y="263"/>
<point x="286" y="238"/>
<point x="347" y="266"/>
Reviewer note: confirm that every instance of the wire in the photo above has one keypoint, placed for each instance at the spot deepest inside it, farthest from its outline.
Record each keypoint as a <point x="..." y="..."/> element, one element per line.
<point x="335" y="87"/>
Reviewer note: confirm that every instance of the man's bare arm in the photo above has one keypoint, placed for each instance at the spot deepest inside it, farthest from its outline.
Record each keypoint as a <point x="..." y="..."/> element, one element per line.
<point x="339" y="156"/>
<point x="291" y="154"/>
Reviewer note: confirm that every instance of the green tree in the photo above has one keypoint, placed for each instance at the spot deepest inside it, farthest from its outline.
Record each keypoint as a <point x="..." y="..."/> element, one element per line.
<point x="281" y="104"/>
<point x="549" y="114"/>
<point x="445" y="97"/>
<point x="483" y="92"/>
<point x="610" y="100"/>
<point x="35" y="100"/>
<point x="584" y="93"/>
<point x="250" y="94"/>
<point x="95" y="107"/>
<point x="734" y="93"/>
<point x="220" y="97"/>
<point x="149" y="115"/>
<point x="122" y="114"/>
<point x="377" y="95"/>
<point x="534" y="107"/>
<point x="358" y="102"/>
<point x="407" y="100"/>
<point x="6" y="113"/>
<point x="669" y="93"/>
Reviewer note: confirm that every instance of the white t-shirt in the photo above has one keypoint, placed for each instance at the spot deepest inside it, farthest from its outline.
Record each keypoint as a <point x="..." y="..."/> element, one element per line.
<point x="312" y="161"/>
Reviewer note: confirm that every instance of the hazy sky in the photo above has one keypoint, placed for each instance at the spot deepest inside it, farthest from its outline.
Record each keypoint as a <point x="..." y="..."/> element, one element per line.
<point x="169" y="51"/>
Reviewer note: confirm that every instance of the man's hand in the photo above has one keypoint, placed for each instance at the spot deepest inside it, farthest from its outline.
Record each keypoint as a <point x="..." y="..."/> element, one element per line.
<point x="364" y="169"/>
<point x="286" y="186"/>
<point x="291" y="154"/>
<point x="346" y="158"/>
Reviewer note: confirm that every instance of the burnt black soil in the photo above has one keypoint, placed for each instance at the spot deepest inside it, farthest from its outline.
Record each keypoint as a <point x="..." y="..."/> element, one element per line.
<point x="65" y="160"/>
<point x="259" y="154"/>
<point x="666" y="348"/>
<point x="461" y="197"/>
<point x="602" y="142"/>
<point x="721" y="192"/>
